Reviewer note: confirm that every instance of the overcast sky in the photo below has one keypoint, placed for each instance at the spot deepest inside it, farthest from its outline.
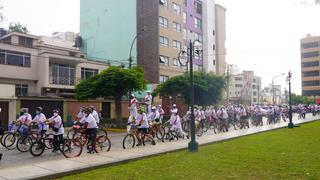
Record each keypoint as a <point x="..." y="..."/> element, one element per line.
<point x="262" y="35"/>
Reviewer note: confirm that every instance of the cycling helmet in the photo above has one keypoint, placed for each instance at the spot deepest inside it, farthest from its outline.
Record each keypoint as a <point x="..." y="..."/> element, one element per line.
<point x="39" y="108"/>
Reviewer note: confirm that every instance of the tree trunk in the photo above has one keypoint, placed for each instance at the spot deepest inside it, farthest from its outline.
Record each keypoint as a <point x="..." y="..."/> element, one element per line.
<point x="118" y="109"/>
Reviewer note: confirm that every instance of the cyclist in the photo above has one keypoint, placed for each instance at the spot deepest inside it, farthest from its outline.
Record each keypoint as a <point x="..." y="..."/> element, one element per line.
<point x="90" y="126"/>
<point x="40" y="120"/>
<point x="143" y="126"/>
<point x="223" y="117"/>
<point x="58" y="129"/>
<point x="80" y="114"/>
<point x="175" y="121"/>
<point x="24" y="119"/>
<point x="95" y="114"/>
<point x="154" y="116"/>
<point x="161" y="113"/>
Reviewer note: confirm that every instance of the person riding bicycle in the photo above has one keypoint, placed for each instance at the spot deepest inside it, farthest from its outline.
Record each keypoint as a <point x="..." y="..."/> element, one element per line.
<point x="90" y="126"/>
<point x="161" y="113"/>
<point x="25" y="120"/>
<point x="143" y="126"/>
<point x="154" y="116"/>
<point x="40" y="120"/>
<point x="57" y="127"/>
<point x="95" y="114"/>
<point x="258" y="115"/>
<point x="223" y="117"/>
<point x="175" y="121"/>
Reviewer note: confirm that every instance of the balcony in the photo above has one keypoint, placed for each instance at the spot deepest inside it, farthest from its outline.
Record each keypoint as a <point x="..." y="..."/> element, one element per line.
<point x="66" y="81"/>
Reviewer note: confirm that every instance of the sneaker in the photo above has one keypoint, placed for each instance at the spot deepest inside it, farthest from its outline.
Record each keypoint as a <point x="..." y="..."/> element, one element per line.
<point x="153" y="142"/>
<point x="139" y="144"/>
<point x="1" y="155"/>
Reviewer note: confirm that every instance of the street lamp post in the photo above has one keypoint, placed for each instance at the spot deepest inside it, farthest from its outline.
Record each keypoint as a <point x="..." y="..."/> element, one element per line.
<point x="290" y="124"/>
<point x="273" y="93"/>
<point x="183" y="59"/>
<point x="133" y="41"/>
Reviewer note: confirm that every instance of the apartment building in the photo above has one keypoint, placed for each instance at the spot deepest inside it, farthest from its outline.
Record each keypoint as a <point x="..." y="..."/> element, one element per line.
<point x="37" y="72"/>
<point x="310" y="65"/>
<point x="220" y="37"/>
<point x="245" y="88"/>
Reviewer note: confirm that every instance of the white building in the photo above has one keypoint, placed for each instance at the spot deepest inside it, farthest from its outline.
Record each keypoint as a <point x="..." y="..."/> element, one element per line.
<point x="244" y="88"/>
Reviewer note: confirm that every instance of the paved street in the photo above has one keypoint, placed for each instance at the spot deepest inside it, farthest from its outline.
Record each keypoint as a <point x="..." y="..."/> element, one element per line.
<point x="50" y="163"/>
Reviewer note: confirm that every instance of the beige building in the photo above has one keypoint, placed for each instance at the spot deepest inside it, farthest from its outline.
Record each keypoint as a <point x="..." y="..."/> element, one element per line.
<point x="35" y="71"/>
<point x="171" y="38"/>
<point x="220" y="32"/>
<point x="310" y="65"/>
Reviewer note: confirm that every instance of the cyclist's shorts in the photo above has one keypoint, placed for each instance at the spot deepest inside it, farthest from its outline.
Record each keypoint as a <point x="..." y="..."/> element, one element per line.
<point x="144" y="130"/>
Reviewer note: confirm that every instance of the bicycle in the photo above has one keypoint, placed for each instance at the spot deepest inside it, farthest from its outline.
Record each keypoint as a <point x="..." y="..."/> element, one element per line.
<point x="70" y="148"/>
<point x="129" y="141"/>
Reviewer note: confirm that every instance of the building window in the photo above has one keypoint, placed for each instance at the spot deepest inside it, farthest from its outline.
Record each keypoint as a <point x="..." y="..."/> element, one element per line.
<point x="164" y="61"/>
<point x="198" y="7"/>
<point x="238" y="78"/>
<point x="310" y="83"/>
<point x="62" y="74"/>
<point x="185" y="17"/>
<point x="185" y="3"/>
<point x="163" y="22"/>
<point x="310" y="64"/>
<point x="14" y="58"/>
<point x="310" y="45"/>
<point x="163" y="3"/>
<point x="254" y="86"/>
<point x="163" y="78"/>
<point x="198" y="37"/>
<point x="310" y="54"/>
<point x="311" y="93"/>
<point x="238" y="85"/>
<point x="254" y="80"/>
<point x="176" y="27"/>
<point x="25" y="41"/>
<point x="310" y="73"/>
<point x="254" y="99"/>
<point x="176" y="63"/>
<point x="200" y="67"/>
<point x="176" y="8"/>
<point x="21" y="90"/>
<point x="176" y="44"/>
<point x="197" y="23"/>
<point x="164" y="41"/>
<point x="214" y="62"/>
<point x="254" y="93"/>
<point x="87" y="73"/>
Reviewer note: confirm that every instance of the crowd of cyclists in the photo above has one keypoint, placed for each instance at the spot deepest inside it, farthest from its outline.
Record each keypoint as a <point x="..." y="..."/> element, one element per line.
<point x="146" y="124"/>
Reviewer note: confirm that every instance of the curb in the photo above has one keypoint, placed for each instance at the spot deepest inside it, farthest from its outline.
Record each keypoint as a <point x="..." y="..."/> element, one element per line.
<point x="116" y="130"/>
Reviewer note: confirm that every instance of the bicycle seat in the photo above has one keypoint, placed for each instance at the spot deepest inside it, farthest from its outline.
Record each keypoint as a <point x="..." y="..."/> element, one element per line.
<point x="76" y="127"/>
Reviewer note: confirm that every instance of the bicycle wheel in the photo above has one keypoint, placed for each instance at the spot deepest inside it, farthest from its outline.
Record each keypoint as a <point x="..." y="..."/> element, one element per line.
<point x="71" y="133"/>
<point x="102" y="132"/>
<point x="48" y="141"/>
<point x="207" y="125"/>
<point x="2" y="138"/>
<point x="103" y="144"/>
<point x="37" y="148"/>
<point x="24" y="144"/>
<point x="71" y="148"/>
<point x="10" y="140"/>
<point x="81" y="138"/>
<point x="128" y="141"/>
<point x="148" y="140"/>
<point x="160" y="133"/>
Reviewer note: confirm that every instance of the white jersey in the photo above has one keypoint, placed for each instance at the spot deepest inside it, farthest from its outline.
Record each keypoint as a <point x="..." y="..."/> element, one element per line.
<point x="57" y="124"/>
<point x="148" y="99"/>
<point x="95" y="116"/>
<point x="25" y="119"/>
<point x="91" y="121"/>
<point x="140" y="118"/>
<point x="40" y="120"/>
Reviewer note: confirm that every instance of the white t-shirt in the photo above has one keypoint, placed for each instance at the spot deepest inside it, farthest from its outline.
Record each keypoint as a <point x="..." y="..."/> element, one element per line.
<point x="25" y="118"/>
<point x="143" y="117"/>
<point x="57" y="124"/>
<point x="91" y="121"/>
<point x="95" y="116"/>
<point x="40" y="120"/>
<point x="148" y="99"/>
<point x="80" y="115"/>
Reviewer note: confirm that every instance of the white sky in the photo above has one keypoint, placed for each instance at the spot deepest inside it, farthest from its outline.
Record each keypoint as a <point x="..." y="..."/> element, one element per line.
<point x="262" y="35"/>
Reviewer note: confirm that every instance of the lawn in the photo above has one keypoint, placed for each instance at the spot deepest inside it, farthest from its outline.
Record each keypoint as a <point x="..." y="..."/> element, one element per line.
<point x="279" y="154"/>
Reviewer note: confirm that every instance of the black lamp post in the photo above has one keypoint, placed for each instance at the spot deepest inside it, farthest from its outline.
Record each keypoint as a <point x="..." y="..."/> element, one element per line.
<point x="134" y="39"/>
<point x="290" y="124"/>
<point x="194" y="47"/>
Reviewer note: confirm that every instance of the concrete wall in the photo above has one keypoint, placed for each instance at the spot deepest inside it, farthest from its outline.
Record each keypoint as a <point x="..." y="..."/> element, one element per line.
<point x="220" y="23"/>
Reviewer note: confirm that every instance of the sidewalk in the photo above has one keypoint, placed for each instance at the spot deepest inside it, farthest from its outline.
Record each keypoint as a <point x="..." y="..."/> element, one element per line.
<point x="55" y="168"/>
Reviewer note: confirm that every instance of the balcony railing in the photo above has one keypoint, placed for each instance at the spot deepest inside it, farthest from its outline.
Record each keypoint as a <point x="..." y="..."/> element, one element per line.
<point x="67" y="81"/>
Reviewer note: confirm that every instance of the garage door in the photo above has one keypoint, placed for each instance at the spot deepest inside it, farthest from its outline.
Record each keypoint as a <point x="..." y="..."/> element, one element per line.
<point x="4" y="115"/>
<point x="46" y="105"/>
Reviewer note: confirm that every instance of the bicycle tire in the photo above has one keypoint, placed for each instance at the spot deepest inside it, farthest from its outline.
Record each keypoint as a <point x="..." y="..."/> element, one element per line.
<point x="71" y="148"/>
<point x="103" y="144"/>
<point x="71" y="133"/>
<point x="10" y="140"/>
<point x="129" y="141"/>
<point x="2" y="138"/>
<point x="160" y="133"/>
<point x="48" y="141"/>
<point x="37" y="148"/>
<point x="24" y="143"/>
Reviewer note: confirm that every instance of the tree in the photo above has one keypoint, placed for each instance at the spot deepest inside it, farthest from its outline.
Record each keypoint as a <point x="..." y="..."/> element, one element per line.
<point x="114" y="82"/>
<point x="208" y="88"/>
<point x="17" y="27"/>
<point x="298" y="99"/>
